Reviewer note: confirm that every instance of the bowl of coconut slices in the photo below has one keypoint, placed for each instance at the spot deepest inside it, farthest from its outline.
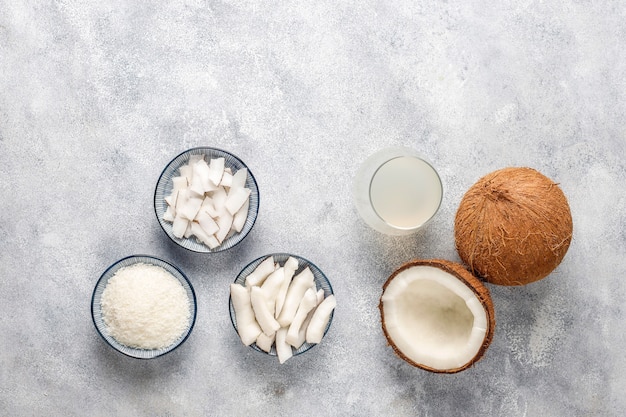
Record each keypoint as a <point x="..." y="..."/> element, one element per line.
<point x="281" y="304"/>
<point x="206" y="200"/>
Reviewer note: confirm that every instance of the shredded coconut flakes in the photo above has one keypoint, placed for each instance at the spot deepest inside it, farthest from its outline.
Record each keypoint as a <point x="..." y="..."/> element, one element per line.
<point x="145" y="307"/>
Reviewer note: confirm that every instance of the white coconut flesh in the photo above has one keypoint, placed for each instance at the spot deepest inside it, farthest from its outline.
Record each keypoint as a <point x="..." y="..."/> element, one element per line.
<point x="434" y="318"/>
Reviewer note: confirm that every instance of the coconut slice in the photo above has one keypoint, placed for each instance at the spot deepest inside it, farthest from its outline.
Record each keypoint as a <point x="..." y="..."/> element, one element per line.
<point x="436" y="315"/>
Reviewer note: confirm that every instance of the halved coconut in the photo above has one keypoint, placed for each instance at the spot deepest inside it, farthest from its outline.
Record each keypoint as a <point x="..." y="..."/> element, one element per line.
<point x="436" y="315"/>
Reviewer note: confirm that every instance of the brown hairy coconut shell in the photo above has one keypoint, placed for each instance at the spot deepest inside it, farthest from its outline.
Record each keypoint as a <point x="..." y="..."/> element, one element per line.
<point x="441" y="342"/>
<point x="513" y="226"/>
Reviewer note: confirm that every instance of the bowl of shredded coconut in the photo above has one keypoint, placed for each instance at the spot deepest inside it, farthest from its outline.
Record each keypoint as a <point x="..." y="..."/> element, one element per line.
<point x="143" y="306"/>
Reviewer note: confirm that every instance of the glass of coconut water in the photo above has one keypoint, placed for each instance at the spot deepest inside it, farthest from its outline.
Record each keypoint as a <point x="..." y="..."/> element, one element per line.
<point x="396" y="191"/>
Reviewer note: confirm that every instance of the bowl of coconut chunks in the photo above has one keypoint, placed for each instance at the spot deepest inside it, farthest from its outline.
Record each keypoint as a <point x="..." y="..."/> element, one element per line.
<point x="206" y="200"/>
<point x="282" y="305"/>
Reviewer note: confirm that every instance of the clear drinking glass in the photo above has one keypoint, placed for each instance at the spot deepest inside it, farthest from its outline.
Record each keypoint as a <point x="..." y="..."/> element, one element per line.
<point x="396" y="191"/>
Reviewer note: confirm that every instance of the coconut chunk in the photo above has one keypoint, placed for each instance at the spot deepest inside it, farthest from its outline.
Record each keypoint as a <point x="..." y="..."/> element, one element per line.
<point x="225" y="222"/>
<point x="239" y="178"/>
<point x="239" y="219"/>
<point x="261" y="272"/>
<point x="216" y="170"/>
<point x="187" y="172"/>
<point x="200" y="183"/>
<point x="209" y="207"/>
<point x="227" y="178"/>
<point x="212" y="242"/>
<point x="169" y="214"/>
<point x="297" y="288"/>
<point x="264" y="317"/>
<point x="179" y="183"/>
<point x="265" y="342"/>
<point x="236" y="199"/>
<point x="189" y="208"/>
<point x="308" y="303"/>
<point x="290" y="267"/>
<point x="219" y="197"/>
<point x="247" y="326"/>
<point x="204" y="219"/>
<point x="283" y="349"/>
<point x="187" y="233"/>
<point x="179" y="226"/>
<point x="320" y="319"/>
<point x="271" y="286"/>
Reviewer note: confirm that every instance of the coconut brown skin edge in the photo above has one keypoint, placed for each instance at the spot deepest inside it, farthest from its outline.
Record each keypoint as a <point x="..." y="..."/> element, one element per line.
<point x="482" y="293"/>
<point x="513" y="226"/>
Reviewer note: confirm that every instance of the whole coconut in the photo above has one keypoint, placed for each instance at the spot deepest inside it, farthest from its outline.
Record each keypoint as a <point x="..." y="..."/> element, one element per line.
<point x="513" y="226"/>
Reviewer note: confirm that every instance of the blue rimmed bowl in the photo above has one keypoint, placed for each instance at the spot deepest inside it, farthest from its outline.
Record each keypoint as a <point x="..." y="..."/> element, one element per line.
<point x="165" y="185"/>
<point x="96" y="309"/>
<point x="321" y="282"/>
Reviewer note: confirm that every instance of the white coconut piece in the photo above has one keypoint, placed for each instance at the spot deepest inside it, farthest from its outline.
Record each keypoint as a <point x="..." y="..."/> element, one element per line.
<point x="181" y="199"/>
<point x="227" y="178"/>
<point x="247" y="326"/>
<point x="200" y="181"/>
<point x="261" y="272"/>
<point x="189" y="208"/>
<point x="179" y="226"/>
<point x="187" y="172"/>
<point x="433" y="318"/>
<point x="219" y="197"/>
<point x="169" y="214"/>
<point x="224" y="222"/>
<point x="297" y="288"/>
<point x="212" y="242"/>
<point x="207" y="223"/>
<point x="265" y="342"/>
<point x="236" y="198"/>
<point x="308" y="303"/>
<point x="216" y="170"/>
<point x="319" y="321"/>
<point x="209" y="207"/>
<point x="239" y="219"/>
<point x="199" y="233"/>
<point x="263" y="315"/>
<point x="196" y="189"/>
<point x="187" y="233"/>
<point x="271" y="286"/>
<point x="239" y="178"/>
<point x="179" y="183"/>
<point x="283" y="349"/>
<point x="290" y="267"/>
<point x="303" y="329"/>
<point x="172" y="199"/>
<point x="207" y="202"/>
<point x="320" y="296"/>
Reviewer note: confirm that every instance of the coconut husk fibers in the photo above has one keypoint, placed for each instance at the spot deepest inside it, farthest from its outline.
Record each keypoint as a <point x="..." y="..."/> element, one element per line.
<point x="463" y="275"/>
<point x="513" y="226"/>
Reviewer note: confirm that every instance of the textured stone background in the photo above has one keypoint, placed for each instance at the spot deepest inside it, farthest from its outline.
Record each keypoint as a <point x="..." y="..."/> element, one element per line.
<point x="96" y="97"/>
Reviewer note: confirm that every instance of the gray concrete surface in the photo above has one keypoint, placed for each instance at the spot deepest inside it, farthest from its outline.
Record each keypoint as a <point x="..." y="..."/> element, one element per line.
<point x="96" y="97"/>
